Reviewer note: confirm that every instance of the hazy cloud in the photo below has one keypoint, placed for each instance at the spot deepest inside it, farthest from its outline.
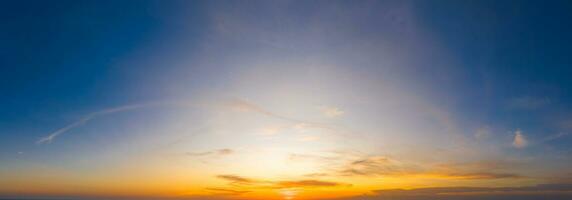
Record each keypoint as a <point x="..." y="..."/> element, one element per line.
<point x="331" y="112"/>
<point x="556" y="136"/>
<point x="482" y="133"/>
<point x="241" y="105"/>
<point x="528" y="102"/>
<point x="245" y="106"/>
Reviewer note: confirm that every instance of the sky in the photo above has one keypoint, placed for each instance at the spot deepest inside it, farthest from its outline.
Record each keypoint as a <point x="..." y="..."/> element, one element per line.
<point x="310" y="100"/>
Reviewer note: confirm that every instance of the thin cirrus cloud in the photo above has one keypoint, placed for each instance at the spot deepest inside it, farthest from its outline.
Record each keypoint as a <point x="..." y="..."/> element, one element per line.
<point x="528" y="103"/>
<point x="555" y="136"/>
<point x="241" y="105"/>
<point x="49" y="138"/>
<point x="235" y="104"/>
<point x="218" y="152"/>
<point x="91" y="116"/>
<point x="246" y="106"/>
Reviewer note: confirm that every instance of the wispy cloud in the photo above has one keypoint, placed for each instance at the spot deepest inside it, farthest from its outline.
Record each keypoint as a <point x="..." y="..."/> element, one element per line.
<point x="331" y="112"/>
<point x="384" y="166"/>
<point x="519" y="140"/>
<point x="250" y="183"/>
<point x="377" y="165"/>
<point x="555" y="136"/>
<point x="245" y="106"/>
<point x="307" y="183"/>
<point x="528" y="102"/>
<point x="482" y="133"/>
<point x="225" y="191"/>
<point x="241" y="105"/>
<point x="218" y="152"/>
<point x="85" y="119"/>
<point x="236" y="179"/>
<point x="236" y="104"/>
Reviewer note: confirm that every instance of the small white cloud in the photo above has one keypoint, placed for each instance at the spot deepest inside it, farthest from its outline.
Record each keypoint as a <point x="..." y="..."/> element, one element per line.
<point x="519" y="140"/>
<point x="331" y="112"/>
<point x="20" y="153"/>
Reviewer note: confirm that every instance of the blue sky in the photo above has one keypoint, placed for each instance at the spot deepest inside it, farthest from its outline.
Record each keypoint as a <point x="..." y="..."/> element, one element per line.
<point x="425" y="84"/>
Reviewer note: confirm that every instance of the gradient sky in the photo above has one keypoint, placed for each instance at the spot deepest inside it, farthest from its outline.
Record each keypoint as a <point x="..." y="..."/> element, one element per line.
<point x="286" y="99"/>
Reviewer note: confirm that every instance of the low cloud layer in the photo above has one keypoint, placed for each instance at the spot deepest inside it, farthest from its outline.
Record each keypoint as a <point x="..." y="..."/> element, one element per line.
<point x="239" y="183"/>
<point x="538" y="192"/>
<point x="344" y="165"/>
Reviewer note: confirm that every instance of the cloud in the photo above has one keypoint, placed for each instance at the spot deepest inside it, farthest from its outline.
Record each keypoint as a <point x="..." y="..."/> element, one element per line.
<point x="331" y="112"/>
<point x="377" y="165"/>
<point x="538" y="192"/>
<point x="223" y="191"/>
<point x="555" y="136"/>
<point x="219" y="152"/>
<point x="482" y="133"/>
<point x="249" y="183"/>
<point x="236" y="179"/>
<point x="306" y="183"/>
<point x="519" y="140"/>
<point x="85" y="119"/>
<point x="480" y="175"/>
<point x="245" y="106"/>
<point x="528" y="103"/>
<point x="371" y="166"/>
<point x="241" y="105"/>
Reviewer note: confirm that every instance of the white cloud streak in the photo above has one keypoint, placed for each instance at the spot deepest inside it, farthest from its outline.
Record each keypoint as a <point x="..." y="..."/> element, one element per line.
<point x="85" y="119"/>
